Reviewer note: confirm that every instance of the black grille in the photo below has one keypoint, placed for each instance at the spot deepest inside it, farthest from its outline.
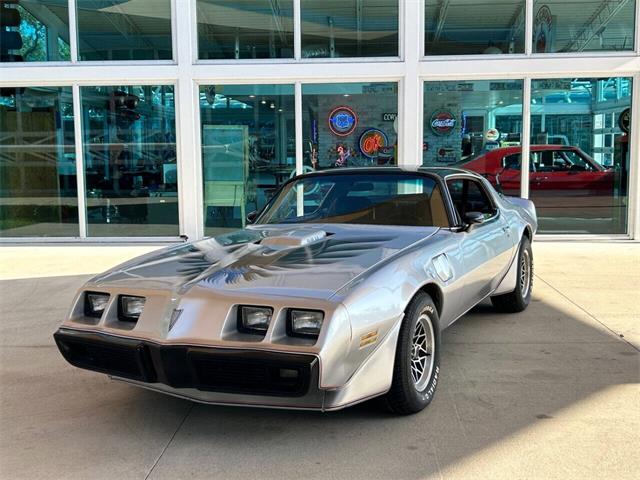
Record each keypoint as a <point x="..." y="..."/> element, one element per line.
<point x="128" y="360"/>
<point x="209" y="369"/>
<point x="245" y="375"/>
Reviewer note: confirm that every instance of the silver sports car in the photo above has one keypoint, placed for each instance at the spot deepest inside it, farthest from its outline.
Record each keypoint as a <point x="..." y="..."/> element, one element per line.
<point x="336" y="293"/>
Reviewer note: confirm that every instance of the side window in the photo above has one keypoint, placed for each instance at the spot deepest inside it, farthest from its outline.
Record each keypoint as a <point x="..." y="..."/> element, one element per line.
<point x="478" y="200"/>
<point x="512" y="162"/>
<point x="470" y="196"/>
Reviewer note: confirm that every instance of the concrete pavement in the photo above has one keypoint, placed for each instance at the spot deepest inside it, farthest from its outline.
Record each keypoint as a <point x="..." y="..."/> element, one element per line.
<point x="553" y="392"/>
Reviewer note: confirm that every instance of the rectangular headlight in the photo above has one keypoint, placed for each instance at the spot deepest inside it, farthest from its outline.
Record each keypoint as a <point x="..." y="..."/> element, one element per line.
<point x="305" y="323"/>
<point x="130" y="308"/>
<point x="254" y="319"/>
<point x="95" y="304"/>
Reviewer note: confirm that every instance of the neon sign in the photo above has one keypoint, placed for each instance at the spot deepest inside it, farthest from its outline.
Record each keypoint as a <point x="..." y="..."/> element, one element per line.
<point x="372" y="141"/>
<point x="342" y="121"/>
<point x="443" y="122"/>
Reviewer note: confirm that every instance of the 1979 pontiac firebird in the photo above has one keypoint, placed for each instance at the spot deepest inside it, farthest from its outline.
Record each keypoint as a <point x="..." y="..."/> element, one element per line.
<point x="336" y="293"/>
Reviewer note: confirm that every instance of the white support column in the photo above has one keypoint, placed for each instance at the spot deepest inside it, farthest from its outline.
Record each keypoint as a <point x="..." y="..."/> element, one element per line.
<point x="73" y="32"/>
<point x="298" y="127"/>
<point x="634" y="169"/>
<point x="637" y="24"/>
<point x="299" y="145"/>
<point x="410" y="92"/>
<point x="528" y="29"/>
<point x="297" y="30"/>
<point x="188" y="128"/>
<point x="80" y="179"/>
<point x="525" y="138"/>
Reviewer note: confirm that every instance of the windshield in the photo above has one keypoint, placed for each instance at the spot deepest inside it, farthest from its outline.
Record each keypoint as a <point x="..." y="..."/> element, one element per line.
<point x="374" y="199"/>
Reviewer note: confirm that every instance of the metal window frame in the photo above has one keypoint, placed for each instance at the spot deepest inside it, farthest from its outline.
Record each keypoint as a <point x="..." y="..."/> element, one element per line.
<point x="410" y="70"/>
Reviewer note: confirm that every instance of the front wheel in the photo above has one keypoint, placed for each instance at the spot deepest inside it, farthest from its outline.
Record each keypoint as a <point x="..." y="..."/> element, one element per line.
<point x="519" y="299"/>
<point x="417" y="361"/>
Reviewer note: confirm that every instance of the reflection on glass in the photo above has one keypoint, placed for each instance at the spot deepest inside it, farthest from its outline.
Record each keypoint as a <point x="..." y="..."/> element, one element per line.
<point x="476" y="124"/>
<point x="34" y="31"/>
<point x="130" y="161"/>
<point x="38" y="193"/>
<point x="463" y="27"/>
<point x="248" y="149"/>
<point x="349" y="28"/>
<point x="583" y="26"/>
<point x="390" y="199"/>
<point x="232" y="29"/>
<point x="124" y="30"/>
<point x="580" y="154"/>
<point x="349" y="124"/>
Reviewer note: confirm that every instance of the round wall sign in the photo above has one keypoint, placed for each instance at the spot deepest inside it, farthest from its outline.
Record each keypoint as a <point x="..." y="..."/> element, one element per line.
<point x="372" y="141"/>
<point x="624" y="121"/>
<point x="492" y="135"/>
<point x="442" y="122"/>
<point x="342" y="121"/>
<point x="543" y="31"/>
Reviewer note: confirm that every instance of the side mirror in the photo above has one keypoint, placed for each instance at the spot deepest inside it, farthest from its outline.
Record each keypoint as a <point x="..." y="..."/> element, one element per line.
<point x="474" y="218"/>
<point x="251" y="217"/>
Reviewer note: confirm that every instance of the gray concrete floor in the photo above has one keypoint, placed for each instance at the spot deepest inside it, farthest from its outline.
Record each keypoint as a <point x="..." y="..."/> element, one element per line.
<point x="549" y="393"/>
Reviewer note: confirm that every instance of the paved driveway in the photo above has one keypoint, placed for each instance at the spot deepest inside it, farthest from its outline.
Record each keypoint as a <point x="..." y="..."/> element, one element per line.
<point x="549" y="393"/>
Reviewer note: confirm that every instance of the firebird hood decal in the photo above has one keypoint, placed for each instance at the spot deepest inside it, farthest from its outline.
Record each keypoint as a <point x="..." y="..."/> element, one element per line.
<point x="238" y="261"/>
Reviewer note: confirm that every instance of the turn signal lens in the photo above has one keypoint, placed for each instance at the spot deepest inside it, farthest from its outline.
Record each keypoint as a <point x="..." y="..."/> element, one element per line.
<point x="95" y="304"/>
<point x="130" y="308"/>
<point x="305" y="323"/>
<point x="254" y="319"/>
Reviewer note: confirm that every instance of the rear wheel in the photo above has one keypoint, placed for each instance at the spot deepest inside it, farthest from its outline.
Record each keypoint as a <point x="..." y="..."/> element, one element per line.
<point x="417" y="361"/>
<point x="519" y="299"/>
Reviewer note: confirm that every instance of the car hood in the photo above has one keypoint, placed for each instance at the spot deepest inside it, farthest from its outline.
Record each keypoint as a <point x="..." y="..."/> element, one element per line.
<point x="307" y="260"/>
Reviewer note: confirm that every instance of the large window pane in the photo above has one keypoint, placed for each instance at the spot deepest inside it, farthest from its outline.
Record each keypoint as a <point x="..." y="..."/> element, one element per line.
<point x="580" y="158"/>
<point x="349" y="28"/>
<point x="349" y="124"/>
<point x="248" y="149"/>
<point x="583" y="26"/>
<point x="245" y="29"/>
<point x="38" y="195"/>
<point x="124" y="29"/>
<point x="466" y="27"/>
<point x="130" y="161"/>
<point x="34" y="31"/>
<point x="476" y="124"/>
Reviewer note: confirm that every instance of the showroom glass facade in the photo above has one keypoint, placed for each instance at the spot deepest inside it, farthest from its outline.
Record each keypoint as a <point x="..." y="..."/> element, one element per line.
<point x="229" y="29"/>
<point x="130" y="169"/>
<point x="349" y="125"/>
<point x="465" y="121"/>
<point x="349" y="28"/>
<point x="38" y="187"/>
<point x="116" y="30"/>
<point x="248" y="149"/>
<point x="30" y="37"/>
<point x="151" y="119"/>
<point x="464" y="27"/>
<point x="580" y="158"/>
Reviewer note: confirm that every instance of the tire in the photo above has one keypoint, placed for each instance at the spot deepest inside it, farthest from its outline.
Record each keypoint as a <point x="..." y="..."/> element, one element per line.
<point x="518" y="300"/>
<point x="408" y="395"/>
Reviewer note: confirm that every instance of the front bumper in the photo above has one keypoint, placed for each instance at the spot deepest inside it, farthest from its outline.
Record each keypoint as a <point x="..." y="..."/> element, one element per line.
<point x="205" y="374"/>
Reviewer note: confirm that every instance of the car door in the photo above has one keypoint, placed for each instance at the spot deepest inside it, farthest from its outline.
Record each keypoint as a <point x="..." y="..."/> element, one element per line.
<point x="486" y="248"/>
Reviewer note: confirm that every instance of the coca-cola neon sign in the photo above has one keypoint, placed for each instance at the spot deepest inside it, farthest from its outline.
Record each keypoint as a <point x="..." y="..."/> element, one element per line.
<point x="443" y="122"/>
